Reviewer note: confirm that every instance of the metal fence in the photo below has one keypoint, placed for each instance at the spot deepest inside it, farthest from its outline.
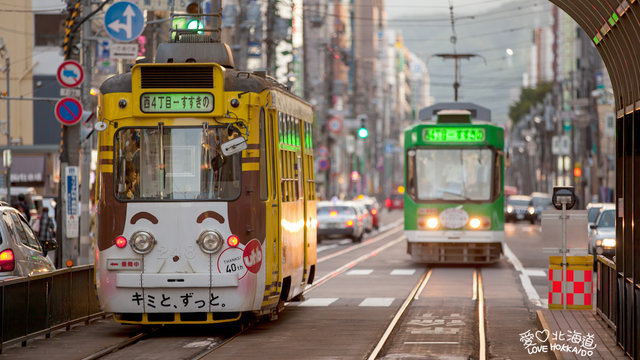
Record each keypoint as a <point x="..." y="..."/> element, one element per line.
<point x="37" y="305"/>
<point x="607" y="295"/>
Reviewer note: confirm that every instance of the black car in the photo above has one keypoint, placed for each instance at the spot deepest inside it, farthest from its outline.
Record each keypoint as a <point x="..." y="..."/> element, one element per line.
<point x="517" y="208"/>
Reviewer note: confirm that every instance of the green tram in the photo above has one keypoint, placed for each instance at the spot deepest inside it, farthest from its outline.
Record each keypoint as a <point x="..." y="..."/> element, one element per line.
<point x="454" y="199"/>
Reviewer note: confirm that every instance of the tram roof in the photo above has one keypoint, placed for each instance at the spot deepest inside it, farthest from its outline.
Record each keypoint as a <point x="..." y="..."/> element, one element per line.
<point x="477" y="112"/>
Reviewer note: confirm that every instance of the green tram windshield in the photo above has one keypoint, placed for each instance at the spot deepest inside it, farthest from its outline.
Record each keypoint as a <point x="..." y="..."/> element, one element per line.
<point x="175" y="163"/>
<point x="452" y="174"/>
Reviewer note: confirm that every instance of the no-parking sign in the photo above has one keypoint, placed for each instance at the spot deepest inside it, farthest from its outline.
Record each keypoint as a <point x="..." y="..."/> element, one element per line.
<point x="68" y="111"/>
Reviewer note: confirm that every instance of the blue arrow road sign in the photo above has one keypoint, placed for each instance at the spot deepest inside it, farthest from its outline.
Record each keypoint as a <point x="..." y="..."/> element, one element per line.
<point x="68" y="111"/>
<point x="124" y="21"/>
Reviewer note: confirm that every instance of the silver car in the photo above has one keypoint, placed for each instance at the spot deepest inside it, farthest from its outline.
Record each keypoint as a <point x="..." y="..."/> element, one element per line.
<point x="602" y="238"/>
<point x="339" y="219"/>
<point x="21" y="253"/>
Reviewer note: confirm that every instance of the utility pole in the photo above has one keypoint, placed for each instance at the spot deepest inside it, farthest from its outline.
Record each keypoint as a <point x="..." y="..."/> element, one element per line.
<point x="67" y="252"/>
<point x="270" y="41"/>
<point x="7" y="158"/>
<point x="85" y="188"/>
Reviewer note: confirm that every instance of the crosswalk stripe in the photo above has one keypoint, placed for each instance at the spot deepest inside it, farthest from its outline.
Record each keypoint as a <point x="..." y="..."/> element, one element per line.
<point x="403" y="272"/>
<point x="360" y="272"/>
<point x="318" y="302"/>
<point x="380" y="302"/>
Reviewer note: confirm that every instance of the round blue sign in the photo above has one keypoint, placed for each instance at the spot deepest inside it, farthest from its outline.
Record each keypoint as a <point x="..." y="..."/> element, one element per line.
<point x="124" y="21"/>
<point x="68" y="111"/>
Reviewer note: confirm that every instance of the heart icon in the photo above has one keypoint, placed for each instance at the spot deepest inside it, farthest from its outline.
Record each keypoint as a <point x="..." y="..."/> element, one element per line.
<point x="543" y="335"/>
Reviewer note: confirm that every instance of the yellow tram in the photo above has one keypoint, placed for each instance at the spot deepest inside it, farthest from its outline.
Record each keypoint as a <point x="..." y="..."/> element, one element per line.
<point x="206" y="201"/>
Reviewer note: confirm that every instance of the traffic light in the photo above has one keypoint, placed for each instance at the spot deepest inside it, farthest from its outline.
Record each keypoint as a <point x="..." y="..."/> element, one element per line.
<point x="577" y="171"/>
<point x="192" y="21"/>
<point x="362" y="131"/>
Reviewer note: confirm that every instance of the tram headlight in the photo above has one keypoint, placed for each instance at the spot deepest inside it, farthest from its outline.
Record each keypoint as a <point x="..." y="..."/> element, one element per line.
<point x="479" y="223"/>
<point x="432" y="223"/>
<point x="142" y="242"/>
<point x="475" y="223"/>
<point x="210" y="242"/>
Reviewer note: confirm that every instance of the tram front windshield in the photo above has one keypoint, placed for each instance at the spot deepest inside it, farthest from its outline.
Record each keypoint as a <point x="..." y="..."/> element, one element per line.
<point x="450" y="174"/>
<point x="164" y="163"/>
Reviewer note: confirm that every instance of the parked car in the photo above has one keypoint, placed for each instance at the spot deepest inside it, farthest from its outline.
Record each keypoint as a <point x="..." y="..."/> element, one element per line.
<point x="602" y="238"/>
<point x="339" y="219"/>
<point x="395" y="201"/>
<point x="539" y="202"/>
<point x="21" y="252"/>
<point x="517" y="208"/>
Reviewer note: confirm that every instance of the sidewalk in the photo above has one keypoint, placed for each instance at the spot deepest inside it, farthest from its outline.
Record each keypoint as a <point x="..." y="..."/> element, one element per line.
<point x="563" y="324"/>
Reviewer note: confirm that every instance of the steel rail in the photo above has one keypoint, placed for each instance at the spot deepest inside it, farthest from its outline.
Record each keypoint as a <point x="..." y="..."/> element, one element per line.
<point x="412" y="296"/>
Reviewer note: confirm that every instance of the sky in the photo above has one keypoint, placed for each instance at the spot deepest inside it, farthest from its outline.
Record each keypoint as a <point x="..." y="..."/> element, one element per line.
<point x="397" y="8"/>
<point x="498" y="31"/>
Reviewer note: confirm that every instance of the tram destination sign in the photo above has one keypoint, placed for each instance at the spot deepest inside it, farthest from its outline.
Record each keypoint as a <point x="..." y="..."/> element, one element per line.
<point x="176" y="102"/>
<point x="454" y="135"/>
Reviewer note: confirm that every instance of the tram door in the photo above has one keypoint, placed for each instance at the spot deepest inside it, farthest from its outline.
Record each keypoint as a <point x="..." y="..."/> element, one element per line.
<point x="273" y="203"/>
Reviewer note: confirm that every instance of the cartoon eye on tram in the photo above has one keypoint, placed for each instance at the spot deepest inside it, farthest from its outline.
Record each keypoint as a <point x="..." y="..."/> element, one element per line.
<point x="206" y="201"/>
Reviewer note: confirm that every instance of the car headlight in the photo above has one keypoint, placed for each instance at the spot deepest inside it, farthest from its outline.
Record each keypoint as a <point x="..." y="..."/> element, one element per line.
<point x="531" y="210"/>
<point x="608" y="243"/>
<point x="210" y="241"/>
<point x="142" y="242"/>
<point x="509" y="209"/>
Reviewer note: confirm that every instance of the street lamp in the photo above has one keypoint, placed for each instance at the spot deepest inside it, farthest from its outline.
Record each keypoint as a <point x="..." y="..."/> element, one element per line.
<point x="5" y="53"/>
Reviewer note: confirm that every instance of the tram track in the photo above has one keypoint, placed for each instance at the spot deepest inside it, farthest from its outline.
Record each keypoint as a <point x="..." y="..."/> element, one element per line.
<point x="208" y="345"/>
<point x="399" y="319"/>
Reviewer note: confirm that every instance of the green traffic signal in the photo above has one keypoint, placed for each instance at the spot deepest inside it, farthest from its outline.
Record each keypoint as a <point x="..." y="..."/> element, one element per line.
<point x="363" y="133"/>
<point x="195" y="24"/>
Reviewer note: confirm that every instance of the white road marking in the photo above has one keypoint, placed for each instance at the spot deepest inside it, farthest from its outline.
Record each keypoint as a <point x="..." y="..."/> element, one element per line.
<point x="431" y="342"/>
<point x="403" y="272"/>
<point x="385" y="302"/>
<point x="535" y="272"/>
<point x="318" y="302"/>
<point x="360" y="272"/>
<point x="524" y="279"/>
<point x="326" y="247"/>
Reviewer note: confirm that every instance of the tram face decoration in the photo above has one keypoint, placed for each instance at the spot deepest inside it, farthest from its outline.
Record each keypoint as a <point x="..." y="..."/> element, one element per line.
<point x="189" y="208"/>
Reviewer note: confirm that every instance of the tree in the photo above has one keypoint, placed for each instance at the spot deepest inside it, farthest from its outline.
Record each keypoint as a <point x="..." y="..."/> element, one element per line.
<point x="528" y="97"/>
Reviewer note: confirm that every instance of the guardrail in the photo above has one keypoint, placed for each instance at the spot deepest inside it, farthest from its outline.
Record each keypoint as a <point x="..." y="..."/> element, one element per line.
<point x="37" y="305"/>
<point x="607" y="294"/>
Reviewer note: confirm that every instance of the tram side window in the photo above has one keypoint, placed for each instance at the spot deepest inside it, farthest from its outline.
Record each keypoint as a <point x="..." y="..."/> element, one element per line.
<point x="274" y="154"/>
<point x="165" y="163"/>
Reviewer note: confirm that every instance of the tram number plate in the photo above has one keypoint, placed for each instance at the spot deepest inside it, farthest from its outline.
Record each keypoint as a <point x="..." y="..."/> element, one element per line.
<point x="454" y="134"/>
<point x="176" y="102"/>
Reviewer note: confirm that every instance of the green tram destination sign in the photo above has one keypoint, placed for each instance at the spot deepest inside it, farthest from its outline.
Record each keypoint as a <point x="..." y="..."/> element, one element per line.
<point x="453" y="134"/>
<point x="176" y="102"/>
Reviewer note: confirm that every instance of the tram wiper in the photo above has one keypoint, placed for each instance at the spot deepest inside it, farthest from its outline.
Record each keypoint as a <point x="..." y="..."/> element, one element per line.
<point x="456" y="194"/>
